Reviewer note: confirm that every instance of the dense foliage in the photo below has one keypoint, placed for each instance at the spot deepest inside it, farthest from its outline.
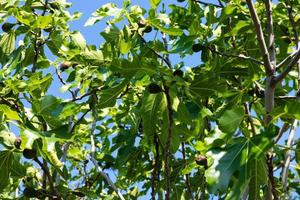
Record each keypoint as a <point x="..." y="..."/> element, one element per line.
<point x="135" y="120"/>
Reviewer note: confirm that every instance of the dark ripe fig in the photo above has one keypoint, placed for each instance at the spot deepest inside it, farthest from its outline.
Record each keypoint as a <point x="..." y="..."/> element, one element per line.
<point x="29" y="153"/>
<point x="6" y="27"/>
<point x="178" y="72"/>
<point x="148" y="29"/>
<point x="18" y="142"/>
<point x="180" y="1"/>
<point x="197" y="47"/>
<point x="142" y="23"/>
<point x="201" y="160"/>
<point x="154" y="88"/>
<point x="29" y="192"/>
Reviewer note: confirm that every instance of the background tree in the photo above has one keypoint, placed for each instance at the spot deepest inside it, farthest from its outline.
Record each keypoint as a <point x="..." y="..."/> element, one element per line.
<point x="135" y="122"/>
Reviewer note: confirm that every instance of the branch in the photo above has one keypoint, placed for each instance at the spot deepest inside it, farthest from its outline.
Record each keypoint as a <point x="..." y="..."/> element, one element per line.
<point x="155" y="173"/>
<point x="271" y="185"/>
<point x="47" y="173"/>
<point x="287" y="159"/>
<point x="37" y="44"/>
<point x="286" y="60"/>
<point x="270" y="29"/>
<point x="168" y="143"/>
<point x="292" y="21"/>
<point x="187" y="177"/>
<point x="250" y="120"/>
<point x="207" y="4"/>
<point x="260" y="38"/>
<point x="165" y="43"/>
<point x="93" y="151"/>
<point x="63" y="82"/>
<point x="283" y="129"/>
<point x="241" y="56"/>
<point x="159" y="56"/>
<point x="290" y="66"/>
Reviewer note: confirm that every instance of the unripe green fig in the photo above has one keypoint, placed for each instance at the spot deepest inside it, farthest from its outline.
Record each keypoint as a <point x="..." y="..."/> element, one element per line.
<point x="197" y="47"/>
<point x="6" y="27"/>
<point x="201" y="160"/>
<point x="18" y="142"/>
<point x="65" y="65"/>
<point x="178" y="72"/>
<point x="29" y="153"/>
<point x="154" y="88"/>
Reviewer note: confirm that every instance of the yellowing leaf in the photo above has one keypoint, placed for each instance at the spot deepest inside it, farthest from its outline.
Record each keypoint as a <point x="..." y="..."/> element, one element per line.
<point x="154" y="3"/>
<point x="9" y="113"/>
<point x="43" y="21"/>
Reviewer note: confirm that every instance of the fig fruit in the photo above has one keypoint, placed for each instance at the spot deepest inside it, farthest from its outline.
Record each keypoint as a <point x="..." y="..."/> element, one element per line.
<point x="197" y="47"/>
<point x="18" y="142"/>
<point x="201" y="160"/>
<point x="153" y="88"/>
<point x="29" y="153"/>
<point x="178" y="72"/>
<point x="6" y="27"/>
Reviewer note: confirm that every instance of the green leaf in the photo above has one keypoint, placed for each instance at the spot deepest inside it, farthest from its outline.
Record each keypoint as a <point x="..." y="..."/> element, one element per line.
<point x="6" y="159"/>
<point x="170" y="30"/>
<point x="258" y="174"/>
<point x="125" y="46"/>
<point x="225" y="163"/>
<point x="238" y="27"/>
<point x="292" y="109"/>
<point x="50" y="151"/>
<point x="109" y="96"/>
<point x="152" y="107"/>
<point x="49" y="107"/>
<point x="203" y="87"/>
<point x="10" y="114"/>
<point x="78" y="40"/>
<point x="231" y="119"/>
<point x="236" y="157"/>
<point x="130" y="68"/>
<point x="8" y="42"/>
<point x="109" y="9"/>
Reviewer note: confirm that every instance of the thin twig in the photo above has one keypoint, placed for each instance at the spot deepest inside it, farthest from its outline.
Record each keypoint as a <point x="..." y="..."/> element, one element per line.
<point x="290" y="66"/>
<point x="207" y="4"/>
<point x="47" y="173"/>
<point x="240" y="56"/>
<point x="283" y="129"/>
<point x="157" y="54"/>
<point x="93" y="150"/>
<point x="260" y="38"/>
<point x="286" y="60"/>
<point x="287" y="159"/>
